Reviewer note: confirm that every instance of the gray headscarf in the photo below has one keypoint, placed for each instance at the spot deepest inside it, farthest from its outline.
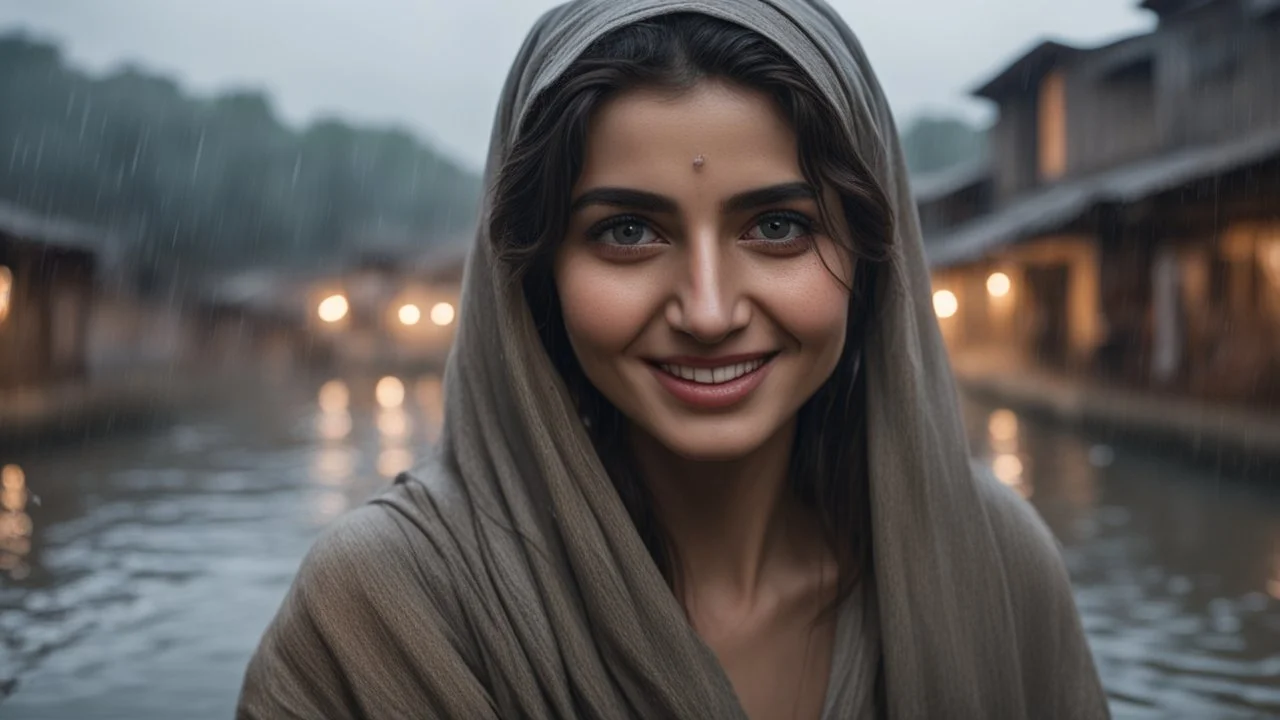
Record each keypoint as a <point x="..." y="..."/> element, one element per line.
<point x="507" y="580"/>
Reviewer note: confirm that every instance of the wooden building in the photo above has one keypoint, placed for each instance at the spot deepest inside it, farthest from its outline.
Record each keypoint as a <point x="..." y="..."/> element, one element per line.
<point x="47" y="271"/>
<point x="380" y="308"/>
<point x="1127" y="223"/>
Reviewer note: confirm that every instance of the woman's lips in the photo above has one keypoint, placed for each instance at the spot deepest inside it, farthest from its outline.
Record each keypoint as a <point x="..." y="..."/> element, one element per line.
<point x="713" y="388"/>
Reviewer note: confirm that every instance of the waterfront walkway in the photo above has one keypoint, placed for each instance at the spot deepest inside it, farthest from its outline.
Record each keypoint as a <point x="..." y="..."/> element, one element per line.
<point x="1196" y="426"/>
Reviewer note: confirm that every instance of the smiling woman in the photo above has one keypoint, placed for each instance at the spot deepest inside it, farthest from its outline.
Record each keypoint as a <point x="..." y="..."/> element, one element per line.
<point x="701" y="456"/>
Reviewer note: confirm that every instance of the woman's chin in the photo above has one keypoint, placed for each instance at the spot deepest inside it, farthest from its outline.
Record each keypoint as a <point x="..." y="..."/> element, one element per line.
<point x="720" y="442"/>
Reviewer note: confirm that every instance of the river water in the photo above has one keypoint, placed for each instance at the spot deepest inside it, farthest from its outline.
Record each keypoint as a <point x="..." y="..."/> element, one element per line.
<point x="136" y="575"/>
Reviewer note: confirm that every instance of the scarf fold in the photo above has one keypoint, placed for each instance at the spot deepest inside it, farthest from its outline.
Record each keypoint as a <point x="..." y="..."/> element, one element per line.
<point x="506" y="579"/>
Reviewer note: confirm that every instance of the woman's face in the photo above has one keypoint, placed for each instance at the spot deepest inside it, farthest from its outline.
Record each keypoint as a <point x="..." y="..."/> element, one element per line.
<point x="692" y="275"/>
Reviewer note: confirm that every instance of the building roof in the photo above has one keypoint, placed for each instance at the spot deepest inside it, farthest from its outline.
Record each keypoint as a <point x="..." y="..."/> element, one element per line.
<point x="443" y="262"/>
<point x="1026" y="71"/>
<point x="30" y="226"/>
<point x="1056" y="206"/>
<point x="931" y="186"/>
<point x="1171" y="7"/>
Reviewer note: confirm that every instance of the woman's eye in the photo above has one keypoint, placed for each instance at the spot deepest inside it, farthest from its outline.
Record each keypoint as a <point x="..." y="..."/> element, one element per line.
<point x="778" y="228"/>
<point x="627" y="233"/>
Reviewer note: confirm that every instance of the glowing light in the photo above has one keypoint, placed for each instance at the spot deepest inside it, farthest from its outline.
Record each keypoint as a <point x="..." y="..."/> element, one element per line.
<point x="333" y="308"/>
<point x="945" y="303"/>
<point x="394" y="423"/>
<point x="1008" y="468"/>
<point x="15" y="525"/>
<point x="442" y="313"/>
<point x="390" y="392"/>
<point x="13" y="478"/>
<point x="334" y="426"/>
<point x="13" y="499"/>
<point x="334" y="396"/>
<point x="6" y="291"/>
<point x="1003" y="426"/>
<point x="394" y="461"/>
<point x="410" y="314"/>
<point x="999" y="284"/>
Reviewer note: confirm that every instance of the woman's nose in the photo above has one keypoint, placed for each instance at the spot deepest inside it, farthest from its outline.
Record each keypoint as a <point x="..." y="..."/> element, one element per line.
<point x="708" y="303"/>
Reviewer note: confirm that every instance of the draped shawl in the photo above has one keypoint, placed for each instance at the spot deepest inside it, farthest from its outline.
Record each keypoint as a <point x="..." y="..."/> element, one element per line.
<point x="506" y="579"/>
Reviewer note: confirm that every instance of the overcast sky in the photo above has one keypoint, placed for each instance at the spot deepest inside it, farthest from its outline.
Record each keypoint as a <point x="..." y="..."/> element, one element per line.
<point x="436" y="66"/>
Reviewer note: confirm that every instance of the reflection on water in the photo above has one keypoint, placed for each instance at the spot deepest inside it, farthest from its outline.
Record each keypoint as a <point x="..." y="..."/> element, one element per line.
<point x="15" y="523"/>
<point x="143" y="577"/>
<point x="394" y="424"/>
<point x="390" y="392"/>
<point x="1002" y="431"/>
<point x="1175" y="567"/>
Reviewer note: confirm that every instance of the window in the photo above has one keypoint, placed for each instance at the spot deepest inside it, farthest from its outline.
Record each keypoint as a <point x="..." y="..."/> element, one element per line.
<point x="1052" y="126"/>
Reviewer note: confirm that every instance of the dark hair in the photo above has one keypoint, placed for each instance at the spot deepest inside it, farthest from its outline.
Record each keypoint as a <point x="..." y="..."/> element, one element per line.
<point x="674" y="52"/>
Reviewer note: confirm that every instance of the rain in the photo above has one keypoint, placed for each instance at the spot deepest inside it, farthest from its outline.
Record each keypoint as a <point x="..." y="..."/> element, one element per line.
<point x="230" y="280"/>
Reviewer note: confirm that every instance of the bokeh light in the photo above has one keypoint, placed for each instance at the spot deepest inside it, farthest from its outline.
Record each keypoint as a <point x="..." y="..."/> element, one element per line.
<point x="333" y="308"/>
<point x="442" y="313"/>
<point x="409" y="314"/>
<point x="390" y="392"/>
<point x="945" y="303"/>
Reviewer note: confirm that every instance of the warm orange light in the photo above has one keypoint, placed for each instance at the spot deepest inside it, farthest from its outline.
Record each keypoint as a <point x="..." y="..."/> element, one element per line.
<point x="410" y="314"/>
<point x="999" y="284"/>
<point x="1003" y="426"/>
<point x="334" y="426"/>
<point x="442" y="313"/>
<point x="6" y="291"/>
<point x="333" y="308"/>
<point x="334" y="396"/>
<point x="1008" y="468"/>
<point x="13" y="478"/>
<point x="394" y="423"/>
<point x="390" y="392"/>
<point x="945" y="303"/>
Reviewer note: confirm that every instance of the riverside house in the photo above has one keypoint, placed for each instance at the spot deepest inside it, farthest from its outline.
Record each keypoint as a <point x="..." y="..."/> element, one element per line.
<point x="1126" y="225"/>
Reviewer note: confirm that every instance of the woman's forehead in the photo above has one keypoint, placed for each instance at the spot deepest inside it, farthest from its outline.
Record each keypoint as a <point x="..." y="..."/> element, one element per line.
<point x="714" y="135"/>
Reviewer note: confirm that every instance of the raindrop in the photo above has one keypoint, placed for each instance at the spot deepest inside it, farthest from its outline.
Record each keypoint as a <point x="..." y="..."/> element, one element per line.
<point x="195" y="169"/>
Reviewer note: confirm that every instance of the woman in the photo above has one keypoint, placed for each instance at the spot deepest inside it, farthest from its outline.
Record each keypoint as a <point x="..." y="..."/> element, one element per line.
<point x="702" y="455"/>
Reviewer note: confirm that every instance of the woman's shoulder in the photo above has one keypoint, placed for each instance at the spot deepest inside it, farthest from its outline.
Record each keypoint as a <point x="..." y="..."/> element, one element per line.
<point x="397" y="543"/>
<point x="1058" y="666"/>
<point x="1015" y="521"/>
<point x="372" y="606"/>
<point x="1032" y="556"/>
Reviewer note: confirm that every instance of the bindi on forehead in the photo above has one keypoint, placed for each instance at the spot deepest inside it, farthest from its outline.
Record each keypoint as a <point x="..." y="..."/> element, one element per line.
<point x="699" y="161"/>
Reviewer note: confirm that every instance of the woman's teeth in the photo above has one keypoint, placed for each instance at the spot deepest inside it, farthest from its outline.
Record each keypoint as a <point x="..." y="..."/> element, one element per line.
<point x="713" y="376"/>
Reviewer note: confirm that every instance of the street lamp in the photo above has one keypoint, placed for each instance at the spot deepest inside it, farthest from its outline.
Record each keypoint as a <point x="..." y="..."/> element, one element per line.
<point x="999" y="284"/>
<point x="333" y="308"/>
<point x="945" y="303"/>
<point x="410" y="314"/>
<point x="442" y="313"/>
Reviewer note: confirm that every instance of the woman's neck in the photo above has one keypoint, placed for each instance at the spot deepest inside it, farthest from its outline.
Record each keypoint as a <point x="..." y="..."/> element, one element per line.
<point x="730" y="521"/>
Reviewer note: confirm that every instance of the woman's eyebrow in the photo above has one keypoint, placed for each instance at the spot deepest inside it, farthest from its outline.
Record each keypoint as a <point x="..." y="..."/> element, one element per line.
<point x="625" y="198"/>
<point x="771" y="195"/>
<point x="655" y="203"/>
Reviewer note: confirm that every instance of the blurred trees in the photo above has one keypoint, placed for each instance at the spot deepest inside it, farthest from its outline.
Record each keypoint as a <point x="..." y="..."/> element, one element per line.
<point x="211" y="184"/>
